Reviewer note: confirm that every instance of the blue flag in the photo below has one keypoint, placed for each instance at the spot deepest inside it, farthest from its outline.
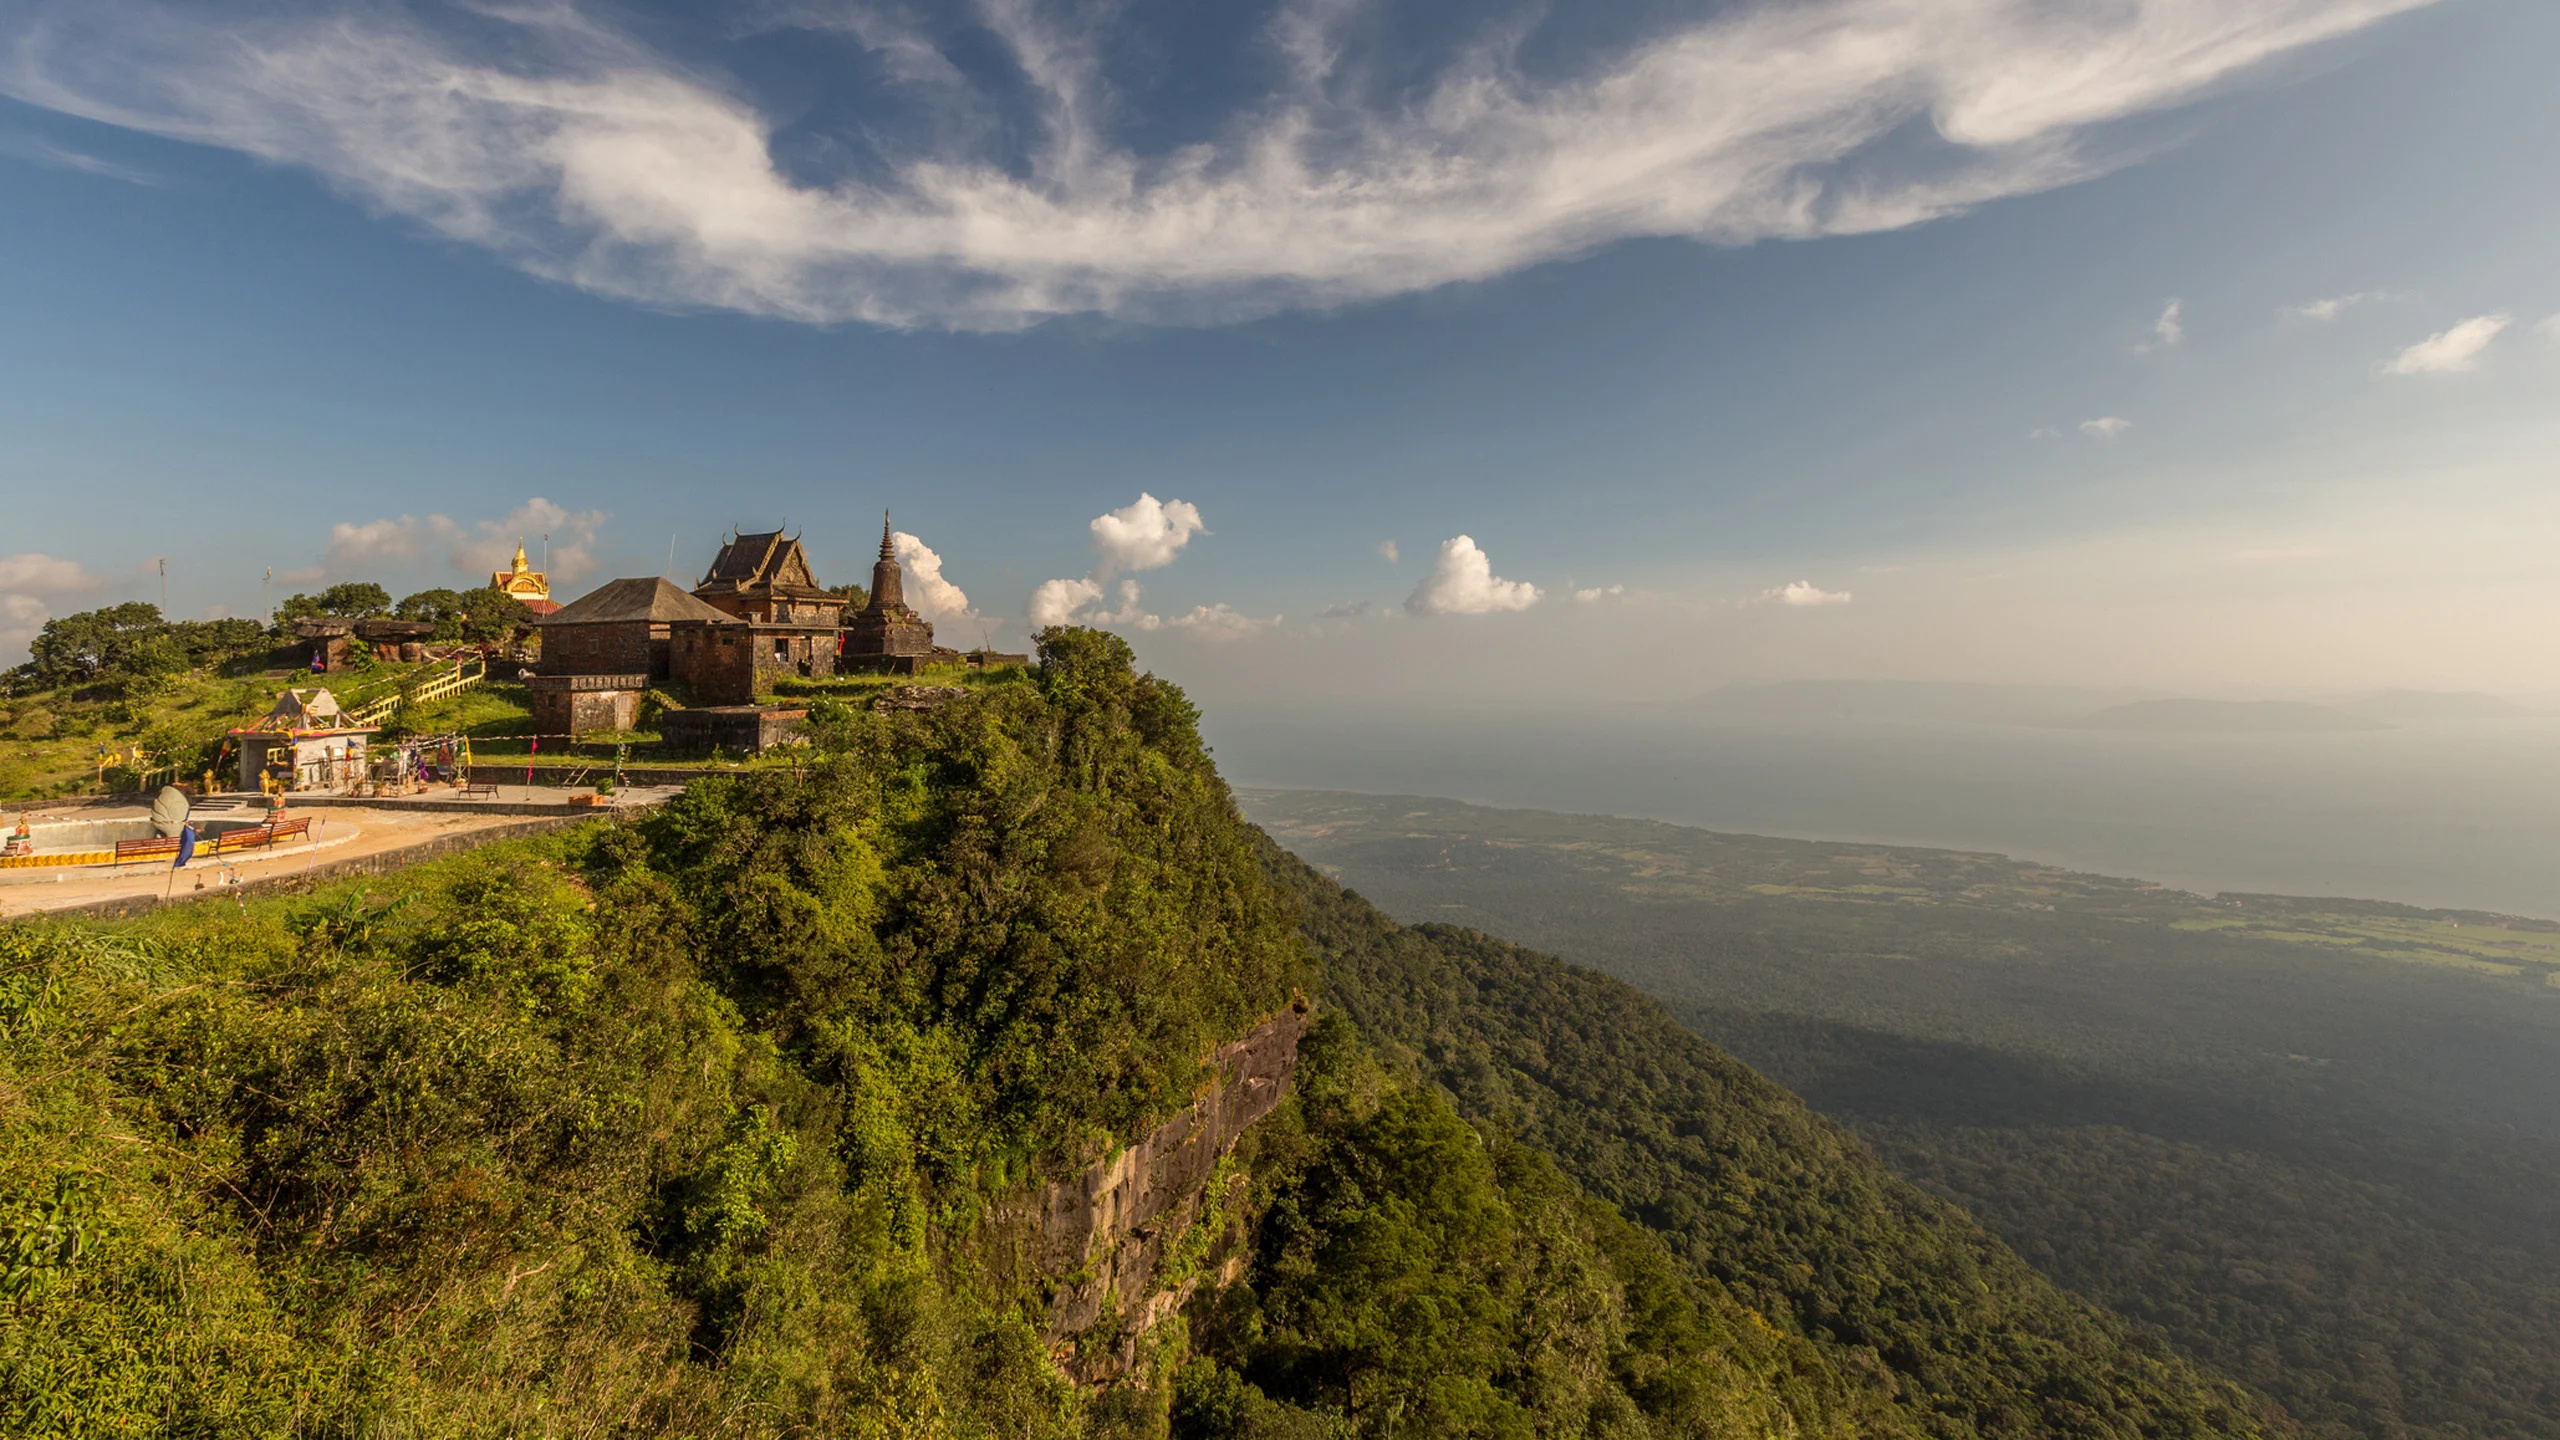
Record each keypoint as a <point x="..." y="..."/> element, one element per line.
<point x="186" y="846"/>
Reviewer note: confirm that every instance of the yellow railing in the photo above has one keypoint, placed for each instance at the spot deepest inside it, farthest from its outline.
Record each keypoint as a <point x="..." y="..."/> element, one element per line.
<point x="466" y="673"/>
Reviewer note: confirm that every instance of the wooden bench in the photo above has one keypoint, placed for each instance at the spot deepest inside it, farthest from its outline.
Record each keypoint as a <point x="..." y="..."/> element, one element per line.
<point x="149" y="847"/>
<point x="479" y="789"/>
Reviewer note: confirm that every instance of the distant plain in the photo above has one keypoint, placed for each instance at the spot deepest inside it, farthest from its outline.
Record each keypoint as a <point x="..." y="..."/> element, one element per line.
<point x="2455" y="810"/>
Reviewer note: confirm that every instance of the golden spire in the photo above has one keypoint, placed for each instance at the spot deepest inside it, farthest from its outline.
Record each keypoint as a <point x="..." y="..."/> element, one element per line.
<point x="522" y="565"/>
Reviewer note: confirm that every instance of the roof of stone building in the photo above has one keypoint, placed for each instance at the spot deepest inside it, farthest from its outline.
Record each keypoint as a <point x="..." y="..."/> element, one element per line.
<point x="653" y="599"/>
<point x="766" y="563"/>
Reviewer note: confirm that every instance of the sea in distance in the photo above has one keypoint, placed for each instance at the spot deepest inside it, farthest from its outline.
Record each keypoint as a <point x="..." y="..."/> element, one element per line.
<point x="2437" y="805"/>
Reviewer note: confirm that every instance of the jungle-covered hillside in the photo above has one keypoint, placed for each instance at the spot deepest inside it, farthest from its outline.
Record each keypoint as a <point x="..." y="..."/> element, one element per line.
<point x="2314" y="1141"/>
<point x="707" y="1123"/>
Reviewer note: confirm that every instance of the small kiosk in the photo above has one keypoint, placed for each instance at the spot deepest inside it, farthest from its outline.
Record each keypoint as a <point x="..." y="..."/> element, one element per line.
<point x="306" y="743"/>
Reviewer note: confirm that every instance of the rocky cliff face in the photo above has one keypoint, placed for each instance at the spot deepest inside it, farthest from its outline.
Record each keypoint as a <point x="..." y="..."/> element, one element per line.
<point x="1128" y="1239"/>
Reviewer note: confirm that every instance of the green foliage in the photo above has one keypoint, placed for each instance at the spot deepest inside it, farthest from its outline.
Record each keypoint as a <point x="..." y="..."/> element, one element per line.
<point x="349" y="600"/>
<point x="127" y="639"/>
<point x="723" y="1120"/>
<point x="2308" y="1139"/>
<point x="1757" y="1195"/>
<point x="132" y="646"/>
<point x="46" y="1242"/>
<point x="481" y="615"/>
<point x="683" y="1122"/>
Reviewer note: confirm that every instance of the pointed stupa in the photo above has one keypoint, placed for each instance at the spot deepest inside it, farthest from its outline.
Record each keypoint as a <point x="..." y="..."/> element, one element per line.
<point x="886" y="590"/>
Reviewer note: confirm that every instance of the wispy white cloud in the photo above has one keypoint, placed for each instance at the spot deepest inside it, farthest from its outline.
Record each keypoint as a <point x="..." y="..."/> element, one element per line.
<point x="1595" y="593"/>
<point x="2450" y="352"/>
<point x="2170" y="329"/>
<point x="1803" y="593"/>
<point x="1387" y="551"/>
<point x="57" y="157"/>
<point x="1462" y="582"/>
<point x="2330" y="307"/>
<point x="471" y="550"/>
<point x="2105" y="427"/>
<point x="1219" y="622"/>
<point x="578" y="152"/>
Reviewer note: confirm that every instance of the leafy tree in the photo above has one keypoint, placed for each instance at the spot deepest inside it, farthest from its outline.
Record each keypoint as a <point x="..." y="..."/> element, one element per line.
<point x="73" y="649"/>
<point x="487" y="614"/>
<point x="209" y="642"/>
<point x="351" y="600"/>
<point x="437" y="606"/>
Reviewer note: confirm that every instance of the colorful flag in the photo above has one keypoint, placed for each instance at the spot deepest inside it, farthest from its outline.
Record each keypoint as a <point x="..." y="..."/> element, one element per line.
<point x="186" y="846"/>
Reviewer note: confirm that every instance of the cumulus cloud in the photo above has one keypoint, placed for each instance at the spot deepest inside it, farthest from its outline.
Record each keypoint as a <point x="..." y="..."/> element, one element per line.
<point x="933" y="596"/>
<point x="1805" y="593"/>
<point x="1462" y="582"/>
<point x="2105" y="427"/>
<point x="1387" y="551"/>
<point x="31" y="586"/>
<point x="2450" y="352"/>
<point x="1080" y="602"/>
<point x="471" y="550"/>
<point x="2332" y="306"/>
<point x="1055" y="602"/>
<point x="1598" y="593"/>
<point x="1145" y="534"/>
<point x="568" y="145"/>
<point x="44" y="575"/>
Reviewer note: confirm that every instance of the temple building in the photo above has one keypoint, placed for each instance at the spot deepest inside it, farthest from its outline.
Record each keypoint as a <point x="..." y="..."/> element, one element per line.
<point x="887" y="635"/>
<point x="525" y="585"/>
<point x="600" y="652"/>
<point x="765" y="580"/>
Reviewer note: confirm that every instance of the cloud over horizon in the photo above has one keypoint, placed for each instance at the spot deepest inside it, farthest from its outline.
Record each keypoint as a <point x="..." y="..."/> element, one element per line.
<point x="1804" y="593"/>
<point x="2450" y="352"/>
<point x="932" y="596"/>
<point x="471" y="551"/>
<point x="1462" y="582"/>
<point x="569" y="146"/>
<point x="31" y="584"/>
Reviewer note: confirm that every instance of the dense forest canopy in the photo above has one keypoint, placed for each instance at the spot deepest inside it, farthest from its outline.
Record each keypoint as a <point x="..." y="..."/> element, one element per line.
<point x="712" y="1122"/>
<point x="2314" y="1141"/>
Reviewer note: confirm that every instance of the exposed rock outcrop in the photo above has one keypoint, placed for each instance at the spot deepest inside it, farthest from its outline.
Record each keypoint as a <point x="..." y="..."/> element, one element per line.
<point x="1105" y="1236"/>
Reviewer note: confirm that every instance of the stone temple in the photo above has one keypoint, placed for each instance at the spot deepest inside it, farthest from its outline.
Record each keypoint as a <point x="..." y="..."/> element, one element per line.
<point x="887" y="634"/>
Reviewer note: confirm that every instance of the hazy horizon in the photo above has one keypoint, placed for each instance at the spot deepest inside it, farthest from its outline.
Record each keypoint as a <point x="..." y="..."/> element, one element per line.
<point x="2454" y="815"/>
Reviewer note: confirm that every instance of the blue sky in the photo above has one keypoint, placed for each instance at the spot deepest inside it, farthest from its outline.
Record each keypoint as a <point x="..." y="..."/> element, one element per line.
<point x="1807" y="340"/>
